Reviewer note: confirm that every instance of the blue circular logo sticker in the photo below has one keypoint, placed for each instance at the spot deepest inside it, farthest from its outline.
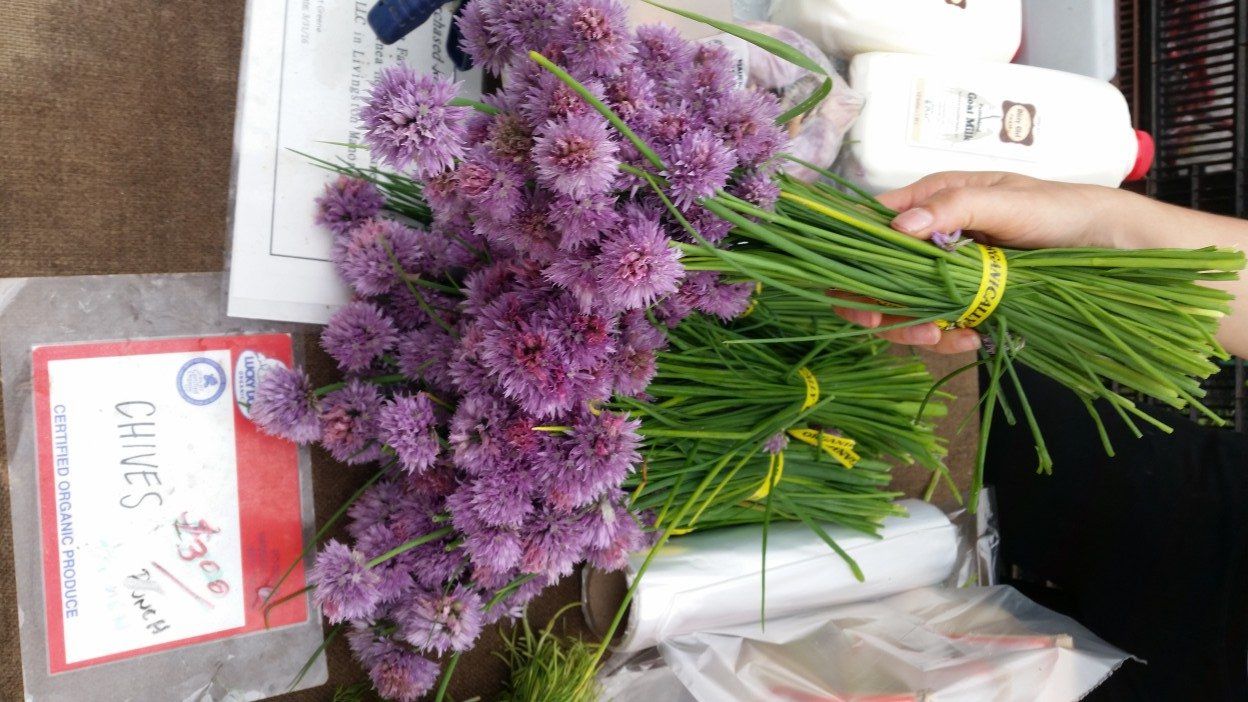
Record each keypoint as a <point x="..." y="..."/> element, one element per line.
<point x="201" y="381"/>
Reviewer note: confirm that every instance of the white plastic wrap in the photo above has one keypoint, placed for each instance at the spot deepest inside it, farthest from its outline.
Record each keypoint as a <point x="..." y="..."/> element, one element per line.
<point x="951" y="645"/>
<point x="981" y="29"/>
<point x="712" y="579"/>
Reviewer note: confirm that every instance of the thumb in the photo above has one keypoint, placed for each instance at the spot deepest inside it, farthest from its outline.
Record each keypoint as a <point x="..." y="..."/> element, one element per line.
<point x="985" y="209"/>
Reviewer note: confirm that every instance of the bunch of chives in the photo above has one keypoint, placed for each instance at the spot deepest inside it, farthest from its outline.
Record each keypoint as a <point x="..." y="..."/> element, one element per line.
<point x="728" y="407"/>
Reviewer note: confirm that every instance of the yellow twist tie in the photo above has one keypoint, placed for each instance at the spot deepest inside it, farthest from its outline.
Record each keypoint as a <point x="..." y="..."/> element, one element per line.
<point x="838" y="447"/>
<point x="812" y="388"/>
<point x="775" y="469"/>
<point x="991" y="290"/>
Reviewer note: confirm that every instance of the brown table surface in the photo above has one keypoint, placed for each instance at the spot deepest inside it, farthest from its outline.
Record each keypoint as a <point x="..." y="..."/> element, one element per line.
<point x="116" y="128"/>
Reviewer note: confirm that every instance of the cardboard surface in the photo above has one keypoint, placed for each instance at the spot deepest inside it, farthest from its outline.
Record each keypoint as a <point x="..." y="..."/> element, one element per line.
<point x="116" y="125"/>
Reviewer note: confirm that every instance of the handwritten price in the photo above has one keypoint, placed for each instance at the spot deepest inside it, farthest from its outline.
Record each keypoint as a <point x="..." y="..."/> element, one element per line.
<point x="192" y="547"/>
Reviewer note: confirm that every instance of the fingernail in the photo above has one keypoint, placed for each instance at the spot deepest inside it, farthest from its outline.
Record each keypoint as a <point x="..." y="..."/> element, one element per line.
<point x="965" y="342"/>
<point x="923" y="335"/>
<point x="914" y="220"/>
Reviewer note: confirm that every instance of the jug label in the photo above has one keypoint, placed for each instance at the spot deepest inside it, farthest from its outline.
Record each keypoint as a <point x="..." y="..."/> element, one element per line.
<point x="954" y="118"/>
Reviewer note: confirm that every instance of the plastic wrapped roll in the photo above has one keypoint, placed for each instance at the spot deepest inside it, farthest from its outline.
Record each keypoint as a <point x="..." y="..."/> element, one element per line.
<point x="712" y="580"/>
<point x="844" y="28"/>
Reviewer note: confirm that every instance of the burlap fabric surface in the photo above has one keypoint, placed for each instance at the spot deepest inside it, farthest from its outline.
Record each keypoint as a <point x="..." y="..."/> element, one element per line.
<point x="116" y="123"/>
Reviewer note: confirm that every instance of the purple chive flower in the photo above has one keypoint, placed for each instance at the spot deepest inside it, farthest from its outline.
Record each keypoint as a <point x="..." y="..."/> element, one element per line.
<point x="494" y="551"/>
<point x="424" y="354"/>
<point x="530" y="370"/>
<point x="500" y="498"/>
<point x="633" y="369"/>
<point x="637" y="331"/>
<point x="368" y="644"/>
<point x="549" y="98"/>
<point x="627" y="538"/>
<point x="409" y="306"/>
<point x="631" y="94"/>
<point x="746" y="119"/>
<point x="528" y="232"/>
<point x="949" y="241"/>
<point x="439" y="622"/>
<point x="697" y="166"/>
<point x="596" y="455"/>
<point x="604" y="447"/>
<point x="510" y="136"/>
<point x="661" y="48"/>
<point x="402" y="675"/>
<point x="490" y="183"/>
<point x="581" y="221"/>
<point x="357" y="335"/>
<point x="553" y="544"/>
<point x="347" y="202"/>
<point x="707" y="225"/>
<point x="394" y="575"/>
<point x="710" y="78"/>
<point x="575" y="156"/>
<point x="285" y="405"/>
<point x="585" y="337"/>
<point x="476" y="433"/>
<point x="637" y="265"/>
<point x="706" y="293"/>
<point x="575" y="272"/>
<point x="364" y="256"/>
<point x="407" y="424"/>
<point x="776" y="443"/>
<point x="596" y="36"/>
<point x="441" y="191"/>
<point x="526" y="25"/>
<point x="672" y="310"/>
<point x="349" y="422"/>
<point x="373" y="507"/>
<point x="409" y="121"/>
<point x="758" y="188"/>
<point x="478" y="40"/>
<point x="345" y="587"/>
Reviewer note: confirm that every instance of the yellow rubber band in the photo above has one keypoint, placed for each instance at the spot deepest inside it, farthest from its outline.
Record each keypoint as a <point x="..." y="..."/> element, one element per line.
<point x="991" y="290"/>
<point x="775" y="469"/>
<point x="838" y="447"/>
<point x="812" y="388"/>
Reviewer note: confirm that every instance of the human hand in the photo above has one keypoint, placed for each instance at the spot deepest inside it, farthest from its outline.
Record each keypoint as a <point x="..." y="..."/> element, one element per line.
<point x="1003" y="209"/>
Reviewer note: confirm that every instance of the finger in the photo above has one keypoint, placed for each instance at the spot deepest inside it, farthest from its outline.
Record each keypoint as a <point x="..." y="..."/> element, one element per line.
<point x="854" y="315"/>
<point x="863" y="318"/>
<point x="958" y="341"/>
<point x="926" y="334"/>
<point x="916" y="193"/>
<point x="993" y="210"/>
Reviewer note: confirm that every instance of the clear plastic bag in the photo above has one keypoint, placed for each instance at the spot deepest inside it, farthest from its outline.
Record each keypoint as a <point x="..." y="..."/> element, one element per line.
<point x="953" y="645"/>
<point x="817" y="136"/>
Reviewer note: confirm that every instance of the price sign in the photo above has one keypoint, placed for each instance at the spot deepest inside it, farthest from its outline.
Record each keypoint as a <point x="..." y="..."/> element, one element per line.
<point x="164" y="512"/>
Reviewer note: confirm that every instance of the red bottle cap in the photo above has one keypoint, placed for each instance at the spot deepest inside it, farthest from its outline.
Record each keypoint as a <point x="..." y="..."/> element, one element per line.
<point x="1143" y="156"/>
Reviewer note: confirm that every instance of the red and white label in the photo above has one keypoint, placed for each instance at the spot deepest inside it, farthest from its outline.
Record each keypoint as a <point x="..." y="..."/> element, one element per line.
<point x="164" y="513"/>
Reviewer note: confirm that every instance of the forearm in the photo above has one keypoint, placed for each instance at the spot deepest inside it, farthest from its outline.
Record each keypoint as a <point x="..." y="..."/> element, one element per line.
<point x="1146" y="223"/>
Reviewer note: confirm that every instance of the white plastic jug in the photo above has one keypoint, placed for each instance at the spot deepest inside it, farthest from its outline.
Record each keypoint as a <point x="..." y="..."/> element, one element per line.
<point x="982" y="29"/>
<point x="927" y="114"/>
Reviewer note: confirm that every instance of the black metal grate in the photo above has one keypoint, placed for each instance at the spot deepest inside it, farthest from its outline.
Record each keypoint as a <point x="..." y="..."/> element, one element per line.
<point x="1183" y="66"/>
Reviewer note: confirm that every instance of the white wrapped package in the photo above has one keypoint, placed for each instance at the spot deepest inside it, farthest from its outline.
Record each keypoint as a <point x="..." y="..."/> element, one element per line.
<point x="712" y="580"/>
<point x="990" y="31"/>
<point x="951" y="645"/>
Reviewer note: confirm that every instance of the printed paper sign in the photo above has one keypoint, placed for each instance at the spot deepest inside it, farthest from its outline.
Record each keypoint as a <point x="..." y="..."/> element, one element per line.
<point x="164" y="512"/>
<point x="307" y="69"/>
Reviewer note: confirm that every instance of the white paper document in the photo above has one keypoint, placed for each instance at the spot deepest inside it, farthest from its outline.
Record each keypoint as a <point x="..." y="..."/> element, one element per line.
<point x="307" y="68"/>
